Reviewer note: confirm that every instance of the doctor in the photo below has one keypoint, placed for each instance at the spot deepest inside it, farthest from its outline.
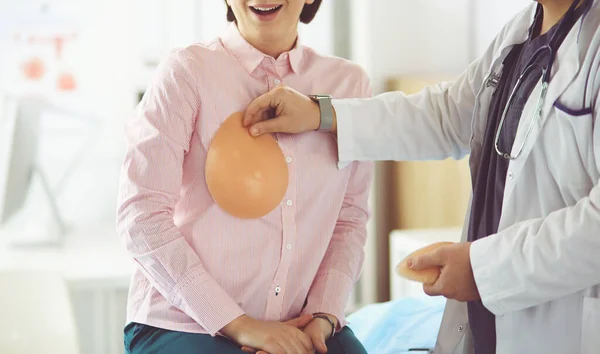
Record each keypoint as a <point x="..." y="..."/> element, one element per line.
<point x="526" y="279"/>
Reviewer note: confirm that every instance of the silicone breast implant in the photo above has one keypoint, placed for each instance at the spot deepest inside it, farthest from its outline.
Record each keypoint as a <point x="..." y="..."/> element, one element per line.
<point x="425" y="276"/>
<point x="247" y="176"/>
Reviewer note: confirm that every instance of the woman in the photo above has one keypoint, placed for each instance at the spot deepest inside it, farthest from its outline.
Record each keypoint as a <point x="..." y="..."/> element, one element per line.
<point x="205" y="281"/>
<point x="528" y="279"/>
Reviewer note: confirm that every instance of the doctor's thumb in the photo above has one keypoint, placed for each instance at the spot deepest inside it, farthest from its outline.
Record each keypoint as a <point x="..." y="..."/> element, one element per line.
<point x="266" y="127"/>
<point x="428" y="260"/>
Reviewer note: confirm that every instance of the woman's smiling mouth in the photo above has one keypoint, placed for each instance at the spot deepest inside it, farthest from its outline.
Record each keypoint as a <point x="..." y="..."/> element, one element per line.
<point x="266" y="12"/>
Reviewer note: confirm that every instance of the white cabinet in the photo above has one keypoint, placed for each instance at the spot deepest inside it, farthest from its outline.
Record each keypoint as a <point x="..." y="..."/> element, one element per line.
<point x="100" y="310"/>
<point x="97" y="271"/>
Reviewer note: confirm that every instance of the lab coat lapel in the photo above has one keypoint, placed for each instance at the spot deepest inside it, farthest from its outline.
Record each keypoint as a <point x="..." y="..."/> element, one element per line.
<point x="514" y="35"/>
<point x="566" y="66"/>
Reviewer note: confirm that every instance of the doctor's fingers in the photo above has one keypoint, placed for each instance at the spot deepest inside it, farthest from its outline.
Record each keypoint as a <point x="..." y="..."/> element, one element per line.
<point x="435" y="289"/>
<point x="260" y="108"/>
<point x="255" y="111"/>
<point x="431" y="259"/>
<point x="291" y="112"/>
<point x="269" y="126"/>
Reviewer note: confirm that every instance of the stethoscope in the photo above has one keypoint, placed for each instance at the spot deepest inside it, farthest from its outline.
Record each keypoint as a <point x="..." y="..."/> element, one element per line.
<point x="546" y="70"/>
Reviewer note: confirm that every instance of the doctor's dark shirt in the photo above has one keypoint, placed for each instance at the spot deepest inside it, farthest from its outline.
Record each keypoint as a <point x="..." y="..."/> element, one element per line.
<point x="489" y="179"/>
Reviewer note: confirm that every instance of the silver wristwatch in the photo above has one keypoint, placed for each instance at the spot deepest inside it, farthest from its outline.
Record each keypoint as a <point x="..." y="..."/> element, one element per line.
<point x="326" y="109"/>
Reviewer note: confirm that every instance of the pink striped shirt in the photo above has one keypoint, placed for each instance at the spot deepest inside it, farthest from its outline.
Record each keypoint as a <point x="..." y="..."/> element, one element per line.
<point x="199" y="268"/>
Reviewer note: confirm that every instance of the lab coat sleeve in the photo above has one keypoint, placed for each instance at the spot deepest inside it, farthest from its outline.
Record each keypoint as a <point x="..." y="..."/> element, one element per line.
<point x="342" y="263"/>
<point x="433" y="124"/>
<point x="158" y="138"/>
<point x="544" y="259"/>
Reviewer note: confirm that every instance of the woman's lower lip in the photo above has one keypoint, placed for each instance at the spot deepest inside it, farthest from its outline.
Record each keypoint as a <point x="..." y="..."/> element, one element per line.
<point x="266" y="17"/>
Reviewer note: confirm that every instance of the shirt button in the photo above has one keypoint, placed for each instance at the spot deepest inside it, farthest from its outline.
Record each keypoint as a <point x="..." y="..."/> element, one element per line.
<point x="289" y="203"/>
<point x="460" y="328"/>
<point x="278" y="290"/>
<point x="289" y="246"/>
<point x="510" y="175"/>
<point x="277" y="81"/>
<point x="288" y="159"/>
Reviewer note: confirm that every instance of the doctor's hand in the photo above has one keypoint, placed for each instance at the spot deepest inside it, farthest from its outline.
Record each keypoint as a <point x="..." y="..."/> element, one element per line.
<point x="282" y="110"/>
<point x="456" y="279"/>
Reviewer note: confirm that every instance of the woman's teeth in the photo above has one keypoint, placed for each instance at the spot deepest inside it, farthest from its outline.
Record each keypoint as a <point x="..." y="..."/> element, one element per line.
<point x="265" y="10"/>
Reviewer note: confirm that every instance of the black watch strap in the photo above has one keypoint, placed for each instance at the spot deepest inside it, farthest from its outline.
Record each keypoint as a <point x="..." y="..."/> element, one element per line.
<point x="326" y="318"/>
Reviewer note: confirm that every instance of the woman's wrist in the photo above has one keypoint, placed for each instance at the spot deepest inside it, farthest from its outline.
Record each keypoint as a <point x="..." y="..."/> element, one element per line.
<point x="332" y="322"/>
<point x="330" y="316"/>
<point x="234" y="327"/>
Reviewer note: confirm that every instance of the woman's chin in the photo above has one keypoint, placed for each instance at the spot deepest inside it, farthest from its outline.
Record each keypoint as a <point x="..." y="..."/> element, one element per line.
<point x="271" y="32"/>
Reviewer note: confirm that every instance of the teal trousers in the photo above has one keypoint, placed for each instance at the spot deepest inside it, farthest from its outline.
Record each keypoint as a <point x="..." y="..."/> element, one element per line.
<point x="143" y="339"/>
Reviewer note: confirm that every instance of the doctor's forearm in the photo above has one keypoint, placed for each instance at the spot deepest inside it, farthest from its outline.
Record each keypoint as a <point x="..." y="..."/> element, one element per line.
<point x="397" y="127"/>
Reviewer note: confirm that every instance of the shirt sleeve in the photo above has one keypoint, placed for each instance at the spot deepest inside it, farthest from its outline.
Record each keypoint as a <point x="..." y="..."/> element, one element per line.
<point x="158" y="138"/>
<point x="342" y="264"/>
<point x="540" y="260"/>
<point x="433" y="124"/>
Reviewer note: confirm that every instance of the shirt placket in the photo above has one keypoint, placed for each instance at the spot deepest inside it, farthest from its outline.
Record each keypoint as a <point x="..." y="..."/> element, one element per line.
<point x="273" y="77"/>
<point x="278" y="287"/>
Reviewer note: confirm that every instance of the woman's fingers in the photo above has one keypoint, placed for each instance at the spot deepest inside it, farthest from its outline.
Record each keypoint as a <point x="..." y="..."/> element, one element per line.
<point x="306" y="341"/>
<point x="319" y="343"/>
<point x="300" y="322"/>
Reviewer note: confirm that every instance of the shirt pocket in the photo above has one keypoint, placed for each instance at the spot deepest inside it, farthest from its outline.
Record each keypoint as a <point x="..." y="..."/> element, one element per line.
<point x="570" y="147"/>
<point x="590" y="323"/>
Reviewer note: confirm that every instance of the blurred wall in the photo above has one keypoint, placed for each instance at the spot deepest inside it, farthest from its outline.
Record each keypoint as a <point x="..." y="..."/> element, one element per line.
<point x="491" y="16"/>
<point x="99" y="57"/>
<point x="434" y="37"/>
<point x="406" y="36"/>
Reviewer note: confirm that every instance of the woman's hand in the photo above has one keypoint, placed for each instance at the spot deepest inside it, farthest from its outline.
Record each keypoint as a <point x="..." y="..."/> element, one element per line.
<point x="270" y="337"/>
<point x="319" y="331"/>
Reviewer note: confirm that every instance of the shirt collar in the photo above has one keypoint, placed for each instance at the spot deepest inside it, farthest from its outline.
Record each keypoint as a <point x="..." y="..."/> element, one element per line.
<point x="250" y="57"/>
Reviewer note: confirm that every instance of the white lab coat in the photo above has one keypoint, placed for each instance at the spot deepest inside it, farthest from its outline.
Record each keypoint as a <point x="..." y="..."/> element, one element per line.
<point x="540" y="273"/>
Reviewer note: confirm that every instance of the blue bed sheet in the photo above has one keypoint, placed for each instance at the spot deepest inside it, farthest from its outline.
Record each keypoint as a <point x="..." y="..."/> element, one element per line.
<point x="395" y="327"/>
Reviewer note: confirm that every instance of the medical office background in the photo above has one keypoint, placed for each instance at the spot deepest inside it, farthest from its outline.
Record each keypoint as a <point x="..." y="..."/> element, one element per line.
<point x="89" y="61"/>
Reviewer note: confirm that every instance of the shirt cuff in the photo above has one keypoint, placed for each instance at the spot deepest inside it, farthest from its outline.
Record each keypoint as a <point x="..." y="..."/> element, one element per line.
<point x="493" y="285"/>
<point x="345" y="132"/>
<point x="329" y="294"/>
<point x="203" y="299"/>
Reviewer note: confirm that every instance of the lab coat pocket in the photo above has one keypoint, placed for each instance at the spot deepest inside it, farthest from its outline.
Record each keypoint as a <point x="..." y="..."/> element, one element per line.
<point x="569" y="141"/>
<point x="590" y="340"/>
<point x="573" y="112"/>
